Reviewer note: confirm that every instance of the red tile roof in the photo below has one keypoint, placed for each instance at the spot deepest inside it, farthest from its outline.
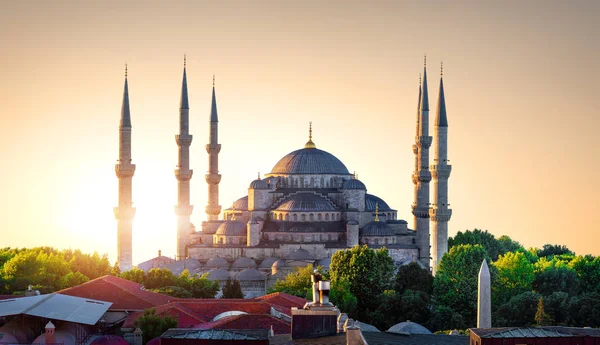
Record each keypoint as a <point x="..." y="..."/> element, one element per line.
<point x="209" y="308"/>
<point x="283" y="302"/>
<point x="185" y="316"/>
<point x="249" y="321"/>
<point x="124" y="294"/>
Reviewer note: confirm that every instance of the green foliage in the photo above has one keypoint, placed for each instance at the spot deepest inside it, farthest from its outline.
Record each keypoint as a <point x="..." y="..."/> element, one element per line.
<point x="174" y="291"/>
<point x="296" y="283"/>
<point x="515" y="276"/>
<point x="519" y="311"/>
<point x="367" y="272"/>
<point x="584" y="310"/>
<point x="342" y="298"/>
<point x="455" y="283"/>
<point x="135" y="275"/>
<point x="153" y="325"/>
<point x="588" y="271"/>
<point x="444" y="318"/>
<point x="508" y="245"/>
<point x="541" y="318"/>
<point x="554" y="275"/>
<point x="483" y="238"/>
<point x="198" y="286"/>
<point x="550" y="250"/>
<point x="73" y="279"/>
<point x="413" y="277"/>
<point x="159" y="277"/>
<point x="557" y="306"/>
<point x="232" y="289"/>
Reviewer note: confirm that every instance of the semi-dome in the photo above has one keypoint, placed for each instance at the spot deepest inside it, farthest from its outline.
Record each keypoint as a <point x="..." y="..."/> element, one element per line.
<point x="258" y="184"/>
<point x="325" y="263"/>
<point x="354" y="184"/>
<point x="299" y="254"/>
<point x="240" y="204"/>
<point x="310" y="161"/>
<point x="109" y="340"/>
<point x="243" y="262"/>
<point x="279" y="264"/>
<point x="217" y="263"/>
<point x="305" y="202"/>
<point x="267" y="262"/>
<point x="372" y="200"/>
<point x="408" y="327"/>
<point x="218" y="274"/>
<point x="377" y="229"/>
<point x="250" y="274"/>
<point x="232" y="228"/>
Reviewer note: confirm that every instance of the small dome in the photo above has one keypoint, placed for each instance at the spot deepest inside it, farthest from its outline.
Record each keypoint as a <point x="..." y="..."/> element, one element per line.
<point x="258" y="184"/>
<point x="306" y="202"/>
<point x="217" y="263"/>
<point x="372" y="200"/>
<point x="408" y="327"/>
<point x="299" y="254"/>
<point x="325" y="262"/>
<point x="240" y="204"/>
<point x="243" y="262"/>
<point x="352" y="222"/>
<point x="250" y="274"/>
<point x="354" y="184"/>
<point x="377" y="229"/>
<point x="279" y="264"/>
<point x="177" y="267"/>
<point x="109" y="340"/>
<point x="232" y="228"/>
<point x="267" y="262"/>
<point x="218" y="274"/>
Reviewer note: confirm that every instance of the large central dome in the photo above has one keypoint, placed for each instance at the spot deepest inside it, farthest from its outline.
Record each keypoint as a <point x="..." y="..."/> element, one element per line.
<point x="310" y="161"/>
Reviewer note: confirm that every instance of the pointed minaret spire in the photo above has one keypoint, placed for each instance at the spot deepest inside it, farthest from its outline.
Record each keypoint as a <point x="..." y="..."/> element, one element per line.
<point x="183" y="173"/>
<point x="124" y="170"/>
<point x="441" y="119"/>
<point x="425" y="97"/>
<point x="125" y="113"/>
<point x="213" y="209"/>
<point x="440" y="213"/>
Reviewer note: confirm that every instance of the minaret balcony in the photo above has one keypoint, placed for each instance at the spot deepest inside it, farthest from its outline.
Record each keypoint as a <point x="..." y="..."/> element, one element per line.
<point x="213" y="210"/>
<point x="124" y="213"/>
<point x="213" y="148"/>
<point x="183" y="174"/>
<point x="424" y="141"/>
<point x="213" y="178"/>
<point x="184" y="210"/>
<point x="183" y="139"/>
<point x="442" y="214"/>
<point x="440" y="170"/>
<point x="420" y="211"/>
<point x="124" y="170"/>
<point x="424" y="175"/>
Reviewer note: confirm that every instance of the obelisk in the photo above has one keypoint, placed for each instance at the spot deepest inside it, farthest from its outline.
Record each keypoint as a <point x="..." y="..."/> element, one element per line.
<point x="484" y="298"/>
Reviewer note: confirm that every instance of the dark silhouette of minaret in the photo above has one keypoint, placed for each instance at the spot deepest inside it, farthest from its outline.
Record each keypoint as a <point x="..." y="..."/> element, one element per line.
<point x="440" y="213"/>
<point x="422" y="176"/>
<point x="183" y="209"/>
<point x="213" y="209"/>
<point x="125" y="212"/>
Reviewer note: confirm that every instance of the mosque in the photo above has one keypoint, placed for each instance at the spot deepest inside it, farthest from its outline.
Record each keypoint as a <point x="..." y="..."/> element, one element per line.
<point x="308" y="207"/>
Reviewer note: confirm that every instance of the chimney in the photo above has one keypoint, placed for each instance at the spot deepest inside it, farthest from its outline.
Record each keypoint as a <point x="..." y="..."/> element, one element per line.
<point x="137" y="337"/>
<point x="49" y="335"/>
<point x="159" y="253"/>
<point x="29" y="291"/>
<point x="353" y="334"/>
<point x="315" y="278"/>
<point x="324" y="291"/>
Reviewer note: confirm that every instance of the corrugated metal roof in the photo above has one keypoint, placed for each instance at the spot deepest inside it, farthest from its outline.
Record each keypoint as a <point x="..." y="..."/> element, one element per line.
<point x="519" y="333"/>
<point x="57" y="307"/>
<point x="216" y="334"/>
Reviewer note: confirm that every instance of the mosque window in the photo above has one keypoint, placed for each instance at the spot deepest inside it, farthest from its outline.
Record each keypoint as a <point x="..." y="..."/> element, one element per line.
<point x="304" y="218"/>
<point x="386" y="240"/>
<point x="301" y="238"/>
<point x="329" y="237"/>
<point x="279" y="217"/>
<point x="326" y="216"/>
<point x="322" y="182"/>
<point x="287" y="217"/>
<point x="312" y="217"/>
<point x="295" y="217"/>
<point x="319" y="217"/>
<point x="312" y="182"/>
<point x="376" y="241"/>
<point x="220" y="240"/>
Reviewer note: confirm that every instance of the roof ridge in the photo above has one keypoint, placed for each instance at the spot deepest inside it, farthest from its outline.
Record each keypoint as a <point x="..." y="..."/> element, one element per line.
<point x="120" y="286"/>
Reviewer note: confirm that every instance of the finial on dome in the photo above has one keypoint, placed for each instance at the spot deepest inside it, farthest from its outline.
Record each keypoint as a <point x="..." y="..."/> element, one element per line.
<point x="376" y="211"/>
<point x="213" y="80"/>
<point x="259" y="175"/>
<point x="126" y="70"/>
<point x="442" y="69"/>
<point x="309" y="144"/>
<point x="425" y="61"/>
<point x="184" y="60"/>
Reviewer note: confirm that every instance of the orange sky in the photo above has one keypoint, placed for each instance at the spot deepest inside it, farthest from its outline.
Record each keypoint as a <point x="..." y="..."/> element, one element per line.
<point x="521" y="82"/>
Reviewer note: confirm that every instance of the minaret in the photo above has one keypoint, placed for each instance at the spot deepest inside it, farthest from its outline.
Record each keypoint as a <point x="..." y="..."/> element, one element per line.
<point x="213" y="209"/>
<point x="183" y="209"/>
<point x="440" y="213"/>
<point x="422" y="176"/>
<point x="124" y="213"/>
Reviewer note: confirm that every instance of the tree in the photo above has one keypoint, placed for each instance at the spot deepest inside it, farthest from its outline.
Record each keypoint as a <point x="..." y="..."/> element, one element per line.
<point x="367" y="272"/>
<point x="541" y="318"/>
<point x="455" y="282"/>
<point x="297" y="283"/>
<point x="584" y="310"/>
<point x="342" y="298"/>
<point x="515" y="276"/>
<point x="588" y="271"/>
<point x="554" y="275"/>
<point x="73" y="279"/>
<point x="174" y="291"/>
<point x="519" y="311"/>
<point x="135" y="275"/>
<point x="159" y="277"/>
<point x="557" y="306"/>
<point x="444" y="318"/>
<point x="553" y="249"/>
<point x="232" y="289"/>
<point x="483" y="238"/>
<point x="198" y="286"/>
<point x="414" y="277"/>
<point x="508" y="245"/>
<point x="153" y="325"/>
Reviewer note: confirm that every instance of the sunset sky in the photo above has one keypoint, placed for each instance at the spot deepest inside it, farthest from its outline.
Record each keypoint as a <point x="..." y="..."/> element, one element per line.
<point x="522" y="94"/>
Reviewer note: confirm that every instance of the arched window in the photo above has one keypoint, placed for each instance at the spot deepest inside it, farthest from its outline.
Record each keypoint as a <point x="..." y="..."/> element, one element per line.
<point x="329" y="237"/>
<point x="280" y="216"/>
<point x="319" y="217"/>
<point x="287" y="217"/>
<point x="301" y="238"/>
<point x="322" y="185"/>
<point x="312" y="217"/>
<point x="386" y="240"/>
<point x="376" y="241"/>
<point x="295" y="217"/>
<point x="326" y="216"/>
<point x="304" y="218"/>
<point x="312" y="182"/>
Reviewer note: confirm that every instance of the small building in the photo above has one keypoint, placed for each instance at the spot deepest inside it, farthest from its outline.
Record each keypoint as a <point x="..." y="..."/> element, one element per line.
<point x="535" y="335"/>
